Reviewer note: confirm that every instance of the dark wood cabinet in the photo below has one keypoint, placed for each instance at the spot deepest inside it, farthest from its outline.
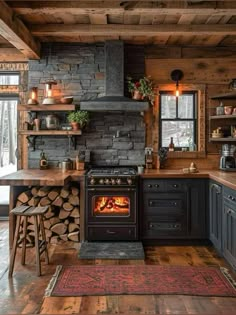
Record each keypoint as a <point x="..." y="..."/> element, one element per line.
<point x="215" y="214"/>
<point x="173" y="209"/>
<point x="229" y="226"/>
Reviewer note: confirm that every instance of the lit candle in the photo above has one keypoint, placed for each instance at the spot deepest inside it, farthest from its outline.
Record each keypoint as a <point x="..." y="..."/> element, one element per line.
<point x="33" y="95"/>
<point x="48" y="90"/>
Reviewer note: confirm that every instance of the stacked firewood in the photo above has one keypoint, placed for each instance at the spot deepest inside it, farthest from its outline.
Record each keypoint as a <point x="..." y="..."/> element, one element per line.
<point x="62" y="220"/>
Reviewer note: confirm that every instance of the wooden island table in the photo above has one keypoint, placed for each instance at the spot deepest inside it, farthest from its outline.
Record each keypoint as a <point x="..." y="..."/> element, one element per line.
<point x="20" y="180"/>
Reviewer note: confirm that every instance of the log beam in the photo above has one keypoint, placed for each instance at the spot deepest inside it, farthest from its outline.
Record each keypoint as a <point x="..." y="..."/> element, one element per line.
<point x="16" y="33"/>
<point x="128" y="7"/>
<point x="132" y="30"/>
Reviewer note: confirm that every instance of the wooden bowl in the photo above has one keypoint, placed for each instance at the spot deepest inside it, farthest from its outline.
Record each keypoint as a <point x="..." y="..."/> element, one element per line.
<point x="66" y="99"/>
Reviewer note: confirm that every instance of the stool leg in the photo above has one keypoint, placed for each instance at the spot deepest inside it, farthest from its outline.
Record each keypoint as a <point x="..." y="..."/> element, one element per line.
<point x="13" y="251"/>
<point x="25" y="220"/>
<point x="44" y="239"/>
<point x="36" y="228"/>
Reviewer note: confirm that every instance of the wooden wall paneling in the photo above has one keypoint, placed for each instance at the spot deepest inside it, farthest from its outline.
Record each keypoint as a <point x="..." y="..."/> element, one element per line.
<point x="197" y="70"/>
<point x="11" y="54"/>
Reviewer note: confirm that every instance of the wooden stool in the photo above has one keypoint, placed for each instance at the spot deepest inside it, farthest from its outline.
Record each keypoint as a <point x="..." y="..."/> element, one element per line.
<point x="40" y="246"/>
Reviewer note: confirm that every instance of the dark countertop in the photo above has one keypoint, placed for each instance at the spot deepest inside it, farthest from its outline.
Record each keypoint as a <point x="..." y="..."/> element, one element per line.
<point x="56" y="177"/>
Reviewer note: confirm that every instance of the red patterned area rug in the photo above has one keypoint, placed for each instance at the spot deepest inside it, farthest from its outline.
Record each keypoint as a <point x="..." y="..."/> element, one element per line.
<point x="140" y="279"/>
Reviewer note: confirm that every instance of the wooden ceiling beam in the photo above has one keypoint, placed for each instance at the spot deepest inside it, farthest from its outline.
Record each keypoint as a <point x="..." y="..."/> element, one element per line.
<point x="131" y="30"/>
<point x="16" y="33"/>
<point x="124" y="7"/>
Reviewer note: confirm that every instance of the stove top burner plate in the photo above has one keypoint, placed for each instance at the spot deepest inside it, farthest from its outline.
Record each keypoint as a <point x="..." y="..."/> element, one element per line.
<point x="112" y="171"/>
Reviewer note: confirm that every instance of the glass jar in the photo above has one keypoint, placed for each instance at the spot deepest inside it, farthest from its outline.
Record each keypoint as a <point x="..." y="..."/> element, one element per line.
<point x="52" y="122"/>
<point x="220" y="109"/>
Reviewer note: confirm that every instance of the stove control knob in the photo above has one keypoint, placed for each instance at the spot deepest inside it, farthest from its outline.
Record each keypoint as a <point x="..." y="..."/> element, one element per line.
<point x="92" y="181"/>
<point x="118" y="181"/>
<point x="107" y="181"/>
<point x="101" y="181"/>
<point x="129" y="181"/>
<point x="113" y="181"/>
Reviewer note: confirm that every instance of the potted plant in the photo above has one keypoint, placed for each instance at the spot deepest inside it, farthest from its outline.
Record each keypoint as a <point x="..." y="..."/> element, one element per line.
<point x="78" y="119"/>
<point x="142" y="89"/>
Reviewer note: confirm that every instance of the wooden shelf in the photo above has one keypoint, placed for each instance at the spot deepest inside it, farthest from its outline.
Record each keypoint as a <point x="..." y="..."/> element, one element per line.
<point x="51" y="132"/>
<point x="223" y="117"/>
<point x="229" y="96"/>
<point x="223" y="139"/>
<point x="55" y="107"/>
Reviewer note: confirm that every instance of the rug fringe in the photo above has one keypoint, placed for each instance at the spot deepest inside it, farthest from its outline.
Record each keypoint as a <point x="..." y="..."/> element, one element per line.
<point x="226" y="273"/>
<point x="53" y="281"/>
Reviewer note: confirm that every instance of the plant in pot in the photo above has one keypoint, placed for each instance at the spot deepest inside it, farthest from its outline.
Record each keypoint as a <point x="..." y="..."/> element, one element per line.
<point x="78" y="119"/>
<point x="142" y="89"/>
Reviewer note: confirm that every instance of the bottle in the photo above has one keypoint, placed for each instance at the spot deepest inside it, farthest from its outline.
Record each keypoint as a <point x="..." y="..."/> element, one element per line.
<point x="43" y="163"/>
<point x="171" y="145"/>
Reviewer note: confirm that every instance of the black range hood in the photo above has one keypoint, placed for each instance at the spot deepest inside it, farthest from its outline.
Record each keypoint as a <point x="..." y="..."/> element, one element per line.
<point x="114" y="84"/>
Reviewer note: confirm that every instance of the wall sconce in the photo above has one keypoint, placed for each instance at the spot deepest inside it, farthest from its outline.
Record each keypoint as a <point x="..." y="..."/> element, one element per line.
<point x="49" y="99"/>
<point x="177" y="75"/>
<point x="33" y="96"/>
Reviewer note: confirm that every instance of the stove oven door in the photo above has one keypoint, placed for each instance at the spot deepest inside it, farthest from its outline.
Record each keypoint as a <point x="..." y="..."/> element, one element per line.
<point x="111" y="206"/>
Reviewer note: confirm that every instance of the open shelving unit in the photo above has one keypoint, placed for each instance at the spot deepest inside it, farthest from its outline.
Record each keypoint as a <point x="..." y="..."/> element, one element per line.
<point x="225" y="121"/>
<point x="31" y="135"/>
<point x="51" y="132"/>
<point x="45" y="108"/>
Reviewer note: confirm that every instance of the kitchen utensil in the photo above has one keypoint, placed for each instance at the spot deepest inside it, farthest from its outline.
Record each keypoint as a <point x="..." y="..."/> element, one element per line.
<point x="66" y="99"/>
<point x="228" y="110"/>
<point x="66" y="165"/>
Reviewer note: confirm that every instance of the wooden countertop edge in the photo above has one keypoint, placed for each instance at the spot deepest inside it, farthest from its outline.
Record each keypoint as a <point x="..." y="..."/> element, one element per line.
<point x="41" y="178"/>
<point x="226" y="178"/>
<point x="35" y="177"/>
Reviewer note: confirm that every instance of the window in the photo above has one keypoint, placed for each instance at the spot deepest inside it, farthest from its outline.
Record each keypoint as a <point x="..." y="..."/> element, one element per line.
<point x="9" y="78"/>
<point x="8" y="117"/>
<point x="178" y="119"/>
<point x="8" y="130"/>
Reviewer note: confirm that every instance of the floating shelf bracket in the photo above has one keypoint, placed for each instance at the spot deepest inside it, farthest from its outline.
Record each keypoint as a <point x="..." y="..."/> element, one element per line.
<point x="73" y="140"/>
<point x="31" y="141"/>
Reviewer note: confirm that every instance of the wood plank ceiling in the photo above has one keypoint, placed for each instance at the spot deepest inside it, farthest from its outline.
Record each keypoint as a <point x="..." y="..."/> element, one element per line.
<point x="24" y="24"/>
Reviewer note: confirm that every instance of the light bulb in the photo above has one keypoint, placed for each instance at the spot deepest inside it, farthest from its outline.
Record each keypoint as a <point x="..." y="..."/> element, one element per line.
<point x="177" y="90"/>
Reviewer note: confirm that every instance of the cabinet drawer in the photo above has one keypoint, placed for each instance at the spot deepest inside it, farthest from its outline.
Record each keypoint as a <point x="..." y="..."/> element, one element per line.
<point x="160" y="227"/>
<point x="115" y="233"/>
<point x="163" y="203"/>
<point x="230" y="196"/>
<point x="155" y="185"/>
<point x="175" y="185"/>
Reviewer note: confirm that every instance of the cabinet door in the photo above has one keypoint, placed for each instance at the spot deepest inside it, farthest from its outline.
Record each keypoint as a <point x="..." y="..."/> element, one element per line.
<point x="229" y="233"/>
<point x="197" y="202"/>
<point x="215" y="205"/>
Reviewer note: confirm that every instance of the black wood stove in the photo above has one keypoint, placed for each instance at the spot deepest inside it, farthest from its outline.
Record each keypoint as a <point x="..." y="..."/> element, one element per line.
<point x="111" y="204"/>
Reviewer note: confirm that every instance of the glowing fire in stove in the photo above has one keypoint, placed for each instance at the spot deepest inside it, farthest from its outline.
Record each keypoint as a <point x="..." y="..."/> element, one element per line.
<point x="111" y="205"/>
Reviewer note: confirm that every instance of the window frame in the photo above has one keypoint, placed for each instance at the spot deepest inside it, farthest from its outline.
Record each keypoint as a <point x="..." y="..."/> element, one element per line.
<point x="152" y="124"/>
<point x="194" y="93"/>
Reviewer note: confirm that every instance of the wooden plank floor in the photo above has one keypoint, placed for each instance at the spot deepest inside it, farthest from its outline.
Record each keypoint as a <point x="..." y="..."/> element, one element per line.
<point x="24" y="293"/>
